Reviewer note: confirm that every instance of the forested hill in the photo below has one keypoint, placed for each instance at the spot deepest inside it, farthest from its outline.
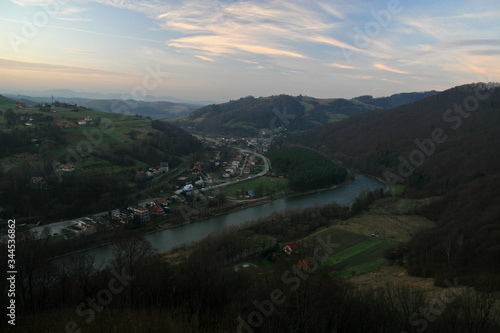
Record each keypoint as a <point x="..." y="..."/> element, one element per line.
<point x="446" y="145"/>
<point x="246" y="116"/>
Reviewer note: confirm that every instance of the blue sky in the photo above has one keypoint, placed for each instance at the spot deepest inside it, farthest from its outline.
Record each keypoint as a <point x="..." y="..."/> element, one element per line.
<point x="221" y="50"/>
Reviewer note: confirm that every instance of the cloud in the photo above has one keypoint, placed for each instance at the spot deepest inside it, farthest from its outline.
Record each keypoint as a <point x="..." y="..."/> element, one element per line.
<point x="469" y="42"/>
<point x="49" y="68"/>
<point x="273" y="28"/>
<point x="361" y="77"/>
<point x="385" y="68"/>
<point x="391" y="81"/>
<point x="484" y="52"/>
<point x="341" y="66"/>
<point x="332" y="11"/>
<point x="24" y="3"/>
<point x="204" y="58"/>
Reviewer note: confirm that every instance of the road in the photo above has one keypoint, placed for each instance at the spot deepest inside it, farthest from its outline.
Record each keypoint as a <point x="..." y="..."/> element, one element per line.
<point x="260" y="174"/>
<point x="55" y="228"/>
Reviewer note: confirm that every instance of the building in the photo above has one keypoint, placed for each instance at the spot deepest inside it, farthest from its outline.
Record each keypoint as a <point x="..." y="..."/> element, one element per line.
<point x="142" y="213"/>
<point x="66" y="167"/>
<point x="290" y="248"/>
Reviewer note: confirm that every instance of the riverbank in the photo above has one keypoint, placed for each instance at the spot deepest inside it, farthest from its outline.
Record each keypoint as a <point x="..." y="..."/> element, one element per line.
<point x="173" y="234"/>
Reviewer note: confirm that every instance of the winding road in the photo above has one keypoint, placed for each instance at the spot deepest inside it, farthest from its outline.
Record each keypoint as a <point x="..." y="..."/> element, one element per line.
<point x="260" y="174"/>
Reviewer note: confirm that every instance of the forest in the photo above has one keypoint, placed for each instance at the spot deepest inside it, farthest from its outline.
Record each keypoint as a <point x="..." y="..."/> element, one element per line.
<point x="461" y="169"/>
<point x="247" y="115"/>
<point x="198" y="290"/>
<point x="305" y="169"/>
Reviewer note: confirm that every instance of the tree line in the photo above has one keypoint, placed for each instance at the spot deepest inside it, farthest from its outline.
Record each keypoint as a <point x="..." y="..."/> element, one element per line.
<point x="306" y="169"/>
<point x="139" y="291"/>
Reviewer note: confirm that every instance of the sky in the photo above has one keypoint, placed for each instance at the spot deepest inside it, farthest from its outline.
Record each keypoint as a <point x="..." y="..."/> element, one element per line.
<point x="226" y="49"/>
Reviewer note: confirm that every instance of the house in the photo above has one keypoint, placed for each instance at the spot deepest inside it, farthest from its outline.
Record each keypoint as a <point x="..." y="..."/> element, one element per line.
<point x="304" y="265"/>
<point x="66" y="167"/>
<point x="163" y="167"/>
<point x="188" y="187"/>
<point x="82" y="122"/>
<point x="200" y="183"/>
<point x="115" y="214"/>
<point x="290" y="248"/>
<point x="157" y="210"/>
<point x="246" y="171"/>
<point x="70" y="124"/>
<point x="161" y="202"/>
<point x="210" y="181"/>
<point x="60" y="125"/>
<point x="88" y="223"/>
<point x="88" y="118"/>
<point x="198" y="166"/>
<point x="142" y="213"/>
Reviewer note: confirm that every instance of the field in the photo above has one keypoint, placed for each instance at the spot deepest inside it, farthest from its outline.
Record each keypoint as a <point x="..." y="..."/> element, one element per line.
<point x="268" y="185"/>
<point x="357" y="252"/>
<point x="362" y="258"/>
<point x="114" y="128"/>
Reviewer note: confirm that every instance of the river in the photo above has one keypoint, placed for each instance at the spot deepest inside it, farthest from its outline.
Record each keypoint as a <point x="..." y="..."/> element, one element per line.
<point x="169" y="238"/>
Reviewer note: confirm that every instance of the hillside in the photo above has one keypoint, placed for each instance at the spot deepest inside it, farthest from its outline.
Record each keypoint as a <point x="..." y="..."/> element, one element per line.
<point x="248" y="115"/>
<point x="444" y="145"/>
<point x="106" y="150"/>
<point x="152" y="109"/>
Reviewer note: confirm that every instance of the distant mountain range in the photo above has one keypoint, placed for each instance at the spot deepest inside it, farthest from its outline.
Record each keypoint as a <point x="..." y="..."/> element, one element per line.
<point x="154" y="109"/>
<point x="75" y="95"/>
<point x="248" y="115"/>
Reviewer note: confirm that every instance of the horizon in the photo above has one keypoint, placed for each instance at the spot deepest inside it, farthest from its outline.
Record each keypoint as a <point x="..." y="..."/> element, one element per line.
<point x="225" y="50"/>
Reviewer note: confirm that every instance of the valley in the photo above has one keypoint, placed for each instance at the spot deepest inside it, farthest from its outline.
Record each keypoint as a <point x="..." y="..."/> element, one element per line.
<point x="255" y="201"/>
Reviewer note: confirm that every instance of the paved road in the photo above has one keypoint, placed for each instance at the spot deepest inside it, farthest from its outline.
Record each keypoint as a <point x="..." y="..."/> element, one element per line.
<point x="260" y="174"/>
<point x="53" y="228"/>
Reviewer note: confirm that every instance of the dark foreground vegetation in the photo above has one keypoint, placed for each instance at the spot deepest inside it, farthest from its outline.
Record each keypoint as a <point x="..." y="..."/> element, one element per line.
<point x="444" y="146"/>
<point x="198" y="289"/>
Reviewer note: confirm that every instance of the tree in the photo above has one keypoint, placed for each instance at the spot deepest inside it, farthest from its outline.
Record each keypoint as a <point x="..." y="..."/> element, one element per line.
<point x="10" y="117"/>
<point x="131" y="253"/>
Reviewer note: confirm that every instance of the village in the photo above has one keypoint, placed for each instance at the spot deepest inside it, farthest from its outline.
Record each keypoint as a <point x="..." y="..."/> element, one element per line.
<point x="227" y="166"/>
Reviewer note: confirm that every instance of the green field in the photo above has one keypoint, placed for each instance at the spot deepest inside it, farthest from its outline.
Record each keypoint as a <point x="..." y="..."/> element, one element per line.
<point x="364" y="257"/>
<point x="269" y="185"/>
<point x="117" y="130"/>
